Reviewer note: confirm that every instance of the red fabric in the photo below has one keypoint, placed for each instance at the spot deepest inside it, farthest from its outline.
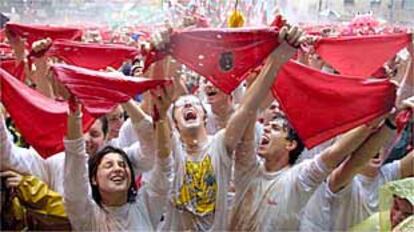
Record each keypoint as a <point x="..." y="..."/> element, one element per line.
<point x="320" y="106"/>
<point x="402" y="119"/>
<point x="92" y="56"/>
<point x="360" y="55"/>
<point x="36" y="32"/>
<point x="202" y="49"/>
<point x="100" y="92"/>
<point x="2" y="35"/>
<point x="41" y="120"/>
<point x="16" y="70"/>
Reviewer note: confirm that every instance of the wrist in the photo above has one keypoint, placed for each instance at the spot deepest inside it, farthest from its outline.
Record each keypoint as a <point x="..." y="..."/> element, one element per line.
<point x="388" y="123"/>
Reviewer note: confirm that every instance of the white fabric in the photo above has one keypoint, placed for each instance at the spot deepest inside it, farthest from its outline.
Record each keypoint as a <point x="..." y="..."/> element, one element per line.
<point x="182" y="219"/>
<point x="273" y="201"/>
<point x="50" y="170"/>
<point x="328" y="211"/>
<point x="85" y="215"/>
<point x="127" y="135"/>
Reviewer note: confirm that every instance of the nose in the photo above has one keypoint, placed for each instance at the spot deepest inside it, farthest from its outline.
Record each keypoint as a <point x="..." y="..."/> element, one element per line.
<point x="187" y="105"/>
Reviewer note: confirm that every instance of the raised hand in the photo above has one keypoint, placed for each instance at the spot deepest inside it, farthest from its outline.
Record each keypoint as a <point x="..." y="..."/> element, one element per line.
<point x="162" y="98"/>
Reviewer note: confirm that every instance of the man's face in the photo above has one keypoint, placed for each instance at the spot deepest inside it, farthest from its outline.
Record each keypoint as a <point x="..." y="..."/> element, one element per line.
<point x="376" y="162"/>
<point x="273" y="140"/>
<point x="401" y="209"/>
<point x="213" y="94"/>
<point x="188" y="113"/>
<point x="94" y="138"/>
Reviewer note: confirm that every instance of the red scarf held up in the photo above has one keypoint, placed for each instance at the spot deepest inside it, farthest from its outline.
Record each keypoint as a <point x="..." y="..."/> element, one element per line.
<point x="101" y="92"/>
<point x="320" y="106"/>
<point x="360" y="56"/>
<point x="223" y="56"/>
<point x="36" y="32"/>
<point x="15" y="69"/>
<point x="41" y="120"/>
<point x="92" y="56"/>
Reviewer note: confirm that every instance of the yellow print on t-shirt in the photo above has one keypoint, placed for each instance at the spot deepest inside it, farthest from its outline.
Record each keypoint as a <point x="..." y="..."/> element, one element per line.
<point x="198" y="191"/>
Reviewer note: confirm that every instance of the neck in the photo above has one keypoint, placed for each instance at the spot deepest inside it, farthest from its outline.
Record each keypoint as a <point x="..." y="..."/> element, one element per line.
<point x="114" y="199"/>
<point x="276" y="164"/>
<point x="222" y="109"/>
<point x="194" y="140"/>
<point x="371" y="172"/>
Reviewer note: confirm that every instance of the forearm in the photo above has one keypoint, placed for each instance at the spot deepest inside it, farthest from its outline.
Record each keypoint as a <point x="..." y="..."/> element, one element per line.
<point x="342" y="175"/>
<point x="250" y="104"/>
<point x="74" y="127"/>
<point x="78" y="204"/>
<point x="407" y="165"/>
<point x="346" y="145"/>
<point x="134" y="111"/>
<point x="163" y="138"/>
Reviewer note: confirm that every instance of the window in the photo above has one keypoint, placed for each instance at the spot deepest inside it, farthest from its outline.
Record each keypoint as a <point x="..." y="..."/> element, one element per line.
<point x="408" y="4"/>
<point x="349" y="2"/>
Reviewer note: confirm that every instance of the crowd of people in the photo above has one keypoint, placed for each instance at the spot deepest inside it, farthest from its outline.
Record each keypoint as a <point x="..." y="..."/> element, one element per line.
<point x="187" y="155"/>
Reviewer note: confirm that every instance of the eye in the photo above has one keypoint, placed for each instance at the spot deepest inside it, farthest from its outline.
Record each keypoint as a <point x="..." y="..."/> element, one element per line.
<point x="122" y="164"/>
<point x="107" y="165"/>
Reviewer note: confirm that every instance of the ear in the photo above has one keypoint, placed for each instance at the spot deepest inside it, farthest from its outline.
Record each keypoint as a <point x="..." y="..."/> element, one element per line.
<point x="94" y="182"/>
<point x="291" y="145"/>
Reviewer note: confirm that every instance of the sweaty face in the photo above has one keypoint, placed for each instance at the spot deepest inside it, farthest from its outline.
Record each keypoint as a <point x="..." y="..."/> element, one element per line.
<point x="94" y="138"/>
<point x="113" y="175"/>
<point x="189" y="113"/>
<point x="213" y="94"/>
<point x="273" y="140"/>
<point x="115" y="121"/>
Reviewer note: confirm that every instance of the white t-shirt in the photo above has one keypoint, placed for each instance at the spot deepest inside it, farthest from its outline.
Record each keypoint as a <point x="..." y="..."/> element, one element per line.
<point x="85" y="214"/>
<point x="328" y="211"/>
<point x="197" y="201"/>
<point x="272" y="201"/>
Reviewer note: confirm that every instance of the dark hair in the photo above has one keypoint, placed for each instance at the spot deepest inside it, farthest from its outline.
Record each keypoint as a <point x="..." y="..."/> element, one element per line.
<point x="104" y="126"/>
<point x="292" y="136"/>
<point x="93" y="164"/>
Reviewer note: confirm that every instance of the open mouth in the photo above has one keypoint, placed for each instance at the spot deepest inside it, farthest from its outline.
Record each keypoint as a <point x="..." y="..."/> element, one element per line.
<point x="190" y="115"/>
<point x="211" y="92"/>
<point x="265" y="140"/>
<point x="117" y="179"/>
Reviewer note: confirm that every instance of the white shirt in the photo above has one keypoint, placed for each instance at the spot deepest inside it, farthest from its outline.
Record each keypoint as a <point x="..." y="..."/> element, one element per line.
<point x="50" y="170"/>
<point x="328" y="211"/>
<point x="267" y="201"/>
<point x="183" y="213"/>
<point x="85" y="214"/>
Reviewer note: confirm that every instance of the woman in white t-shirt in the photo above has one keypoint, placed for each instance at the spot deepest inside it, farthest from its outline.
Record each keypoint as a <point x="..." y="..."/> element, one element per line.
<point x="115" y="204"/>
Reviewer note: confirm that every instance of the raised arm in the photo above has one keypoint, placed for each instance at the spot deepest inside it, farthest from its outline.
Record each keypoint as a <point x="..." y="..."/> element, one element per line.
<point x="261" y="86"/>
<point x="78" y="203"/>
<point x="348" y="143"/>
<point x="22" y="160"/>
<point x="343" y="174"/>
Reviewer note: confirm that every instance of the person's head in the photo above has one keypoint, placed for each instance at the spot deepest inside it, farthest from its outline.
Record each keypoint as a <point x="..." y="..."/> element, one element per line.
<point x="401" y="209"/>
<point x="188" y="113"/>
<point x="215" y="97"/>
<point x="280" y="141"/>
<point x="137" y="69"/>
<point x="95" y="137"/>
<point x="115" y="120"/>
<point x="374" y="164"/>
<point x="111" y="174"/>
<point x="270" y="112"/>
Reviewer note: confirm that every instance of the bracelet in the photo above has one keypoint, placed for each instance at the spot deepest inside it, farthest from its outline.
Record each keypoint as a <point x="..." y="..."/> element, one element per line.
<point x="389" y="124"/>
